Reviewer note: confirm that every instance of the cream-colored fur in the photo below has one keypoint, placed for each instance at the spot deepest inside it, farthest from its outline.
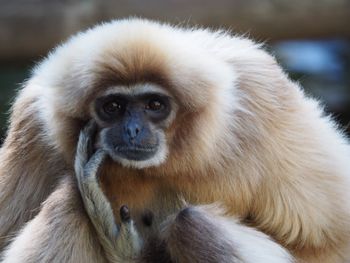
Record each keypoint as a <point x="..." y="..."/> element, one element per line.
<point x="245" y="136"/>
<point x="61" y="232"/>
<point x="194" y="234"/>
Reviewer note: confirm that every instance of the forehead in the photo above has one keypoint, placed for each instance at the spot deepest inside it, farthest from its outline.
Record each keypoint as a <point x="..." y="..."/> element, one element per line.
<point x="120" y="56"/>
<point x="135" y="90"/>
<point x="181" y="70"/>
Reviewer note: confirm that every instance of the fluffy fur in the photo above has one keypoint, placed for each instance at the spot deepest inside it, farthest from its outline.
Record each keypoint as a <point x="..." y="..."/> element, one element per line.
<point x="244" y="135"/>
<point x="194" y="234"/>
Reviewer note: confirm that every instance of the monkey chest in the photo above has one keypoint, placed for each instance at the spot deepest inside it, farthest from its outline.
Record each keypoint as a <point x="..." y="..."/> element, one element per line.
<point x="150" y="203"/>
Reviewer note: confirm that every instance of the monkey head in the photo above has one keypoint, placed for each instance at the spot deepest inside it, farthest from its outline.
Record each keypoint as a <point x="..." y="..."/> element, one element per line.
<point x="160" y="97"/>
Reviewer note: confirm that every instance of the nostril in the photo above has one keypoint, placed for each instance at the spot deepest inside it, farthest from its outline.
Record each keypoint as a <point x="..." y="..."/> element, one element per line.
<point x="133" y="130"/>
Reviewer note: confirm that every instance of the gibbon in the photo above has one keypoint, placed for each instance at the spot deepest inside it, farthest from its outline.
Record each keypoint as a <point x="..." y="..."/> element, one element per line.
<point x="137" y="141"/>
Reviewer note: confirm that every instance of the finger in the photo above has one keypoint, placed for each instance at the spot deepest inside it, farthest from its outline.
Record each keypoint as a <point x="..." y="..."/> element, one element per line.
<point x="128" y="242"/>
<point x="86" y="142"/>
<point x="124" y="213"/>
<point x="81" y="153"/>
<point x="81" y="157"/>
<point x="91" y="168"/>
<point x="90" y="128"/>
<point x="90" y="131"/>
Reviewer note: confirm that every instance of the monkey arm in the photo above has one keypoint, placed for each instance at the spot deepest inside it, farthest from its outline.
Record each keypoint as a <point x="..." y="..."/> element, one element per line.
<point x="120" y="243"/>
<point x="310" y="223"/>
<point x="61" y="232"/>
<point x="29" y="168"/>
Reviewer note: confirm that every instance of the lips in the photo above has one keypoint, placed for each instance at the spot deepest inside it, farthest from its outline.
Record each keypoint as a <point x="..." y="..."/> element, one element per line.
<point x="136" y="152"/>
<point x="135" y="149"/>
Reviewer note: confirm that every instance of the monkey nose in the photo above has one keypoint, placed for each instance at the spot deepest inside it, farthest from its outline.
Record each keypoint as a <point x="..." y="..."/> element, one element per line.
<point x="133" y="129"/>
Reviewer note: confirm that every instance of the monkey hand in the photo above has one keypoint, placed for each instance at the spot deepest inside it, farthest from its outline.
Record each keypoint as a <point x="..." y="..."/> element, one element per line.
<point x="120" y="242"/>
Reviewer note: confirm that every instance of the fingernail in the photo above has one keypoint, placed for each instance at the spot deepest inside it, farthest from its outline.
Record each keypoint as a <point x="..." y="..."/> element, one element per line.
<point x="124" y="213"/>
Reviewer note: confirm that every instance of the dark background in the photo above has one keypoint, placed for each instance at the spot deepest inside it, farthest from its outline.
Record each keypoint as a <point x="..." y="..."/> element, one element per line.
<point x="311" y="39"/>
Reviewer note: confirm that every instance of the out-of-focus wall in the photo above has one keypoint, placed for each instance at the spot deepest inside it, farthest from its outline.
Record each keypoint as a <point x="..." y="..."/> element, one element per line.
<point x="30" y="28"/>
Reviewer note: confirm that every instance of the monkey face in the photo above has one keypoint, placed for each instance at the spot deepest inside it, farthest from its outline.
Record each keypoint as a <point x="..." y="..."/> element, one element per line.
<point x="133" y="123"/>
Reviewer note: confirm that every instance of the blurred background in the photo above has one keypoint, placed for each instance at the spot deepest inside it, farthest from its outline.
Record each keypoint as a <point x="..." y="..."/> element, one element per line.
<point x="310" y="38"/>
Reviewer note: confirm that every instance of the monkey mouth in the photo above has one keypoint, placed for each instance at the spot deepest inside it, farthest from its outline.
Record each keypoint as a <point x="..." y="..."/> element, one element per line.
<point x="135" y="148"/>
<point x="136" y="152"/>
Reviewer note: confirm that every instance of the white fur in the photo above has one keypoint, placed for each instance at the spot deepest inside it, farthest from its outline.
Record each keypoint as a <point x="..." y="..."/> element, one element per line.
<point x="253" y="246"/>
<point x="137" y="89"/>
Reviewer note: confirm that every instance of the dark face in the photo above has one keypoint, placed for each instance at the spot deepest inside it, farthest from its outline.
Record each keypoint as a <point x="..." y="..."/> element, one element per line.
<point x="134" y="125"/>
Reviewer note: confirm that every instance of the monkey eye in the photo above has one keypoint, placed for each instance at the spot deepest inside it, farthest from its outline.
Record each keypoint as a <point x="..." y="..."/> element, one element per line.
<point x="155" y="105"/>
<point x="112" y="107"/>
